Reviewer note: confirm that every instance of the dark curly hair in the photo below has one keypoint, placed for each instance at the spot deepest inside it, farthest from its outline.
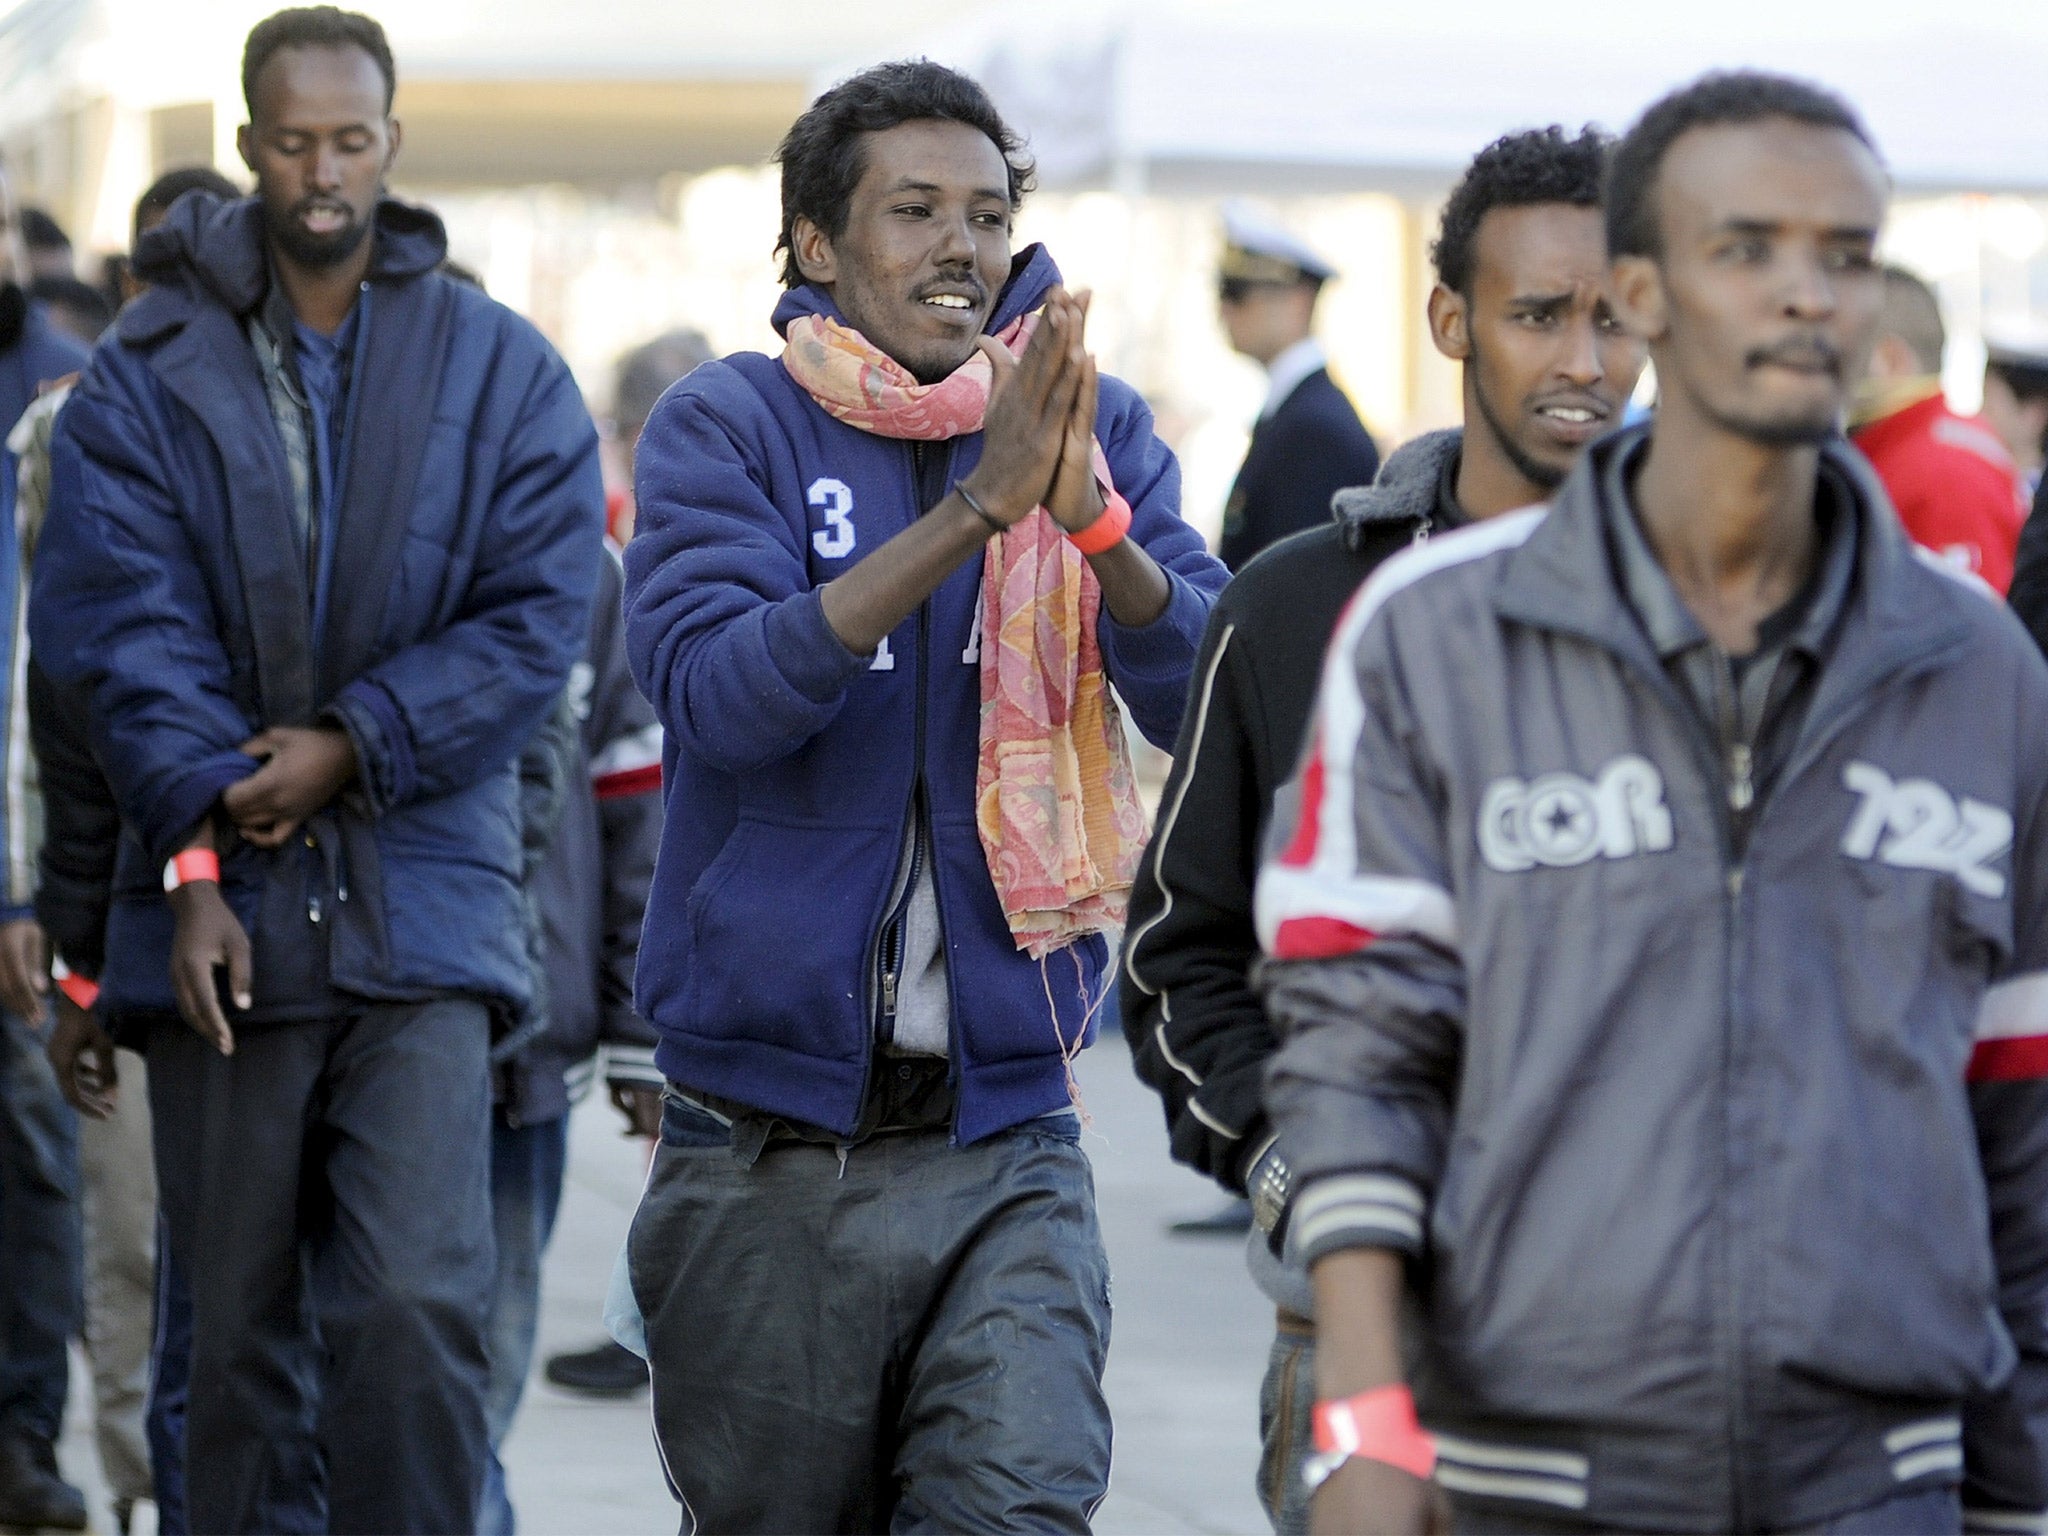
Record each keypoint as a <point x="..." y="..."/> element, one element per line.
<point x="1725" y="96"/>
<point x="1539" y="165"/>
<point x="315" y="26"/>
<point x="821" y="155"/>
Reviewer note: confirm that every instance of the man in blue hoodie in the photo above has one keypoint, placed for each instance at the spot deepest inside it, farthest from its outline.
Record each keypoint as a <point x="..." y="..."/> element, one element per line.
<point x="867" y="1260"/>
<point x="324" y="526"/>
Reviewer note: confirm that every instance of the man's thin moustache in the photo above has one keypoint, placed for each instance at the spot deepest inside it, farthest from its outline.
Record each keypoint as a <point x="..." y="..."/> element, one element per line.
<point x="1806" y="352"/>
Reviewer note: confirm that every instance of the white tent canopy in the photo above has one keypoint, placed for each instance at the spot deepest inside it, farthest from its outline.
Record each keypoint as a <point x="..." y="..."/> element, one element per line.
<point x="1320" y="96"/>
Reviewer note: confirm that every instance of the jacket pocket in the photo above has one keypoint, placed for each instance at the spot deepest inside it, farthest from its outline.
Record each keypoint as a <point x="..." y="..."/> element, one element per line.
<point x="780" y="925"/>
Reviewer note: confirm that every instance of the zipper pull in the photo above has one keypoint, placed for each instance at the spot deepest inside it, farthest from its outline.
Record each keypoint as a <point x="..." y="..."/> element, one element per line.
<point x="1741" y="786"/>
<point x="889" y="994"/>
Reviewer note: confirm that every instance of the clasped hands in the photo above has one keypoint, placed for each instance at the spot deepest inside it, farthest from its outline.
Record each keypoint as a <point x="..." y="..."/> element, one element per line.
<point x="1038" y="435"/>
<point x="302" y="769"/>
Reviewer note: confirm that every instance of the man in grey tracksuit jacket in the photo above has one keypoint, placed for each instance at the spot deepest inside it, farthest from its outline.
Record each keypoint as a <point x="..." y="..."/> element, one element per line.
<point x="1700" y="1067"/>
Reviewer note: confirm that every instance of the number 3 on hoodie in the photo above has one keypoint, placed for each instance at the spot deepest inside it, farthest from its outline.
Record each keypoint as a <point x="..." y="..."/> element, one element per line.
<point x="834" y="501"/>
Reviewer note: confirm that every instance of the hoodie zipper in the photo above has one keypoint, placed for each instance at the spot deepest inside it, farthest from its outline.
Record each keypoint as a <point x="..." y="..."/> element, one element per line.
<point x="894" y="933"/>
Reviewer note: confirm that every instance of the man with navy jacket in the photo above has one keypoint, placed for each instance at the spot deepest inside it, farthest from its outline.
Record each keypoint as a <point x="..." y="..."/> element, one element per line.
<point x="323" y="533"/>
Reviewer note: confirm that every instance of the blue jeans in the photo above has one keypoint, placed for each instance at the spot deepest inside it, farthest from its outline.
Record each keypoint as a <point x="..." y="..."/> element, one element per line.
<point x="1287" y="1404"/>
<point x="42" y="1296"/>
<point x="526" y="1192"/>
<point x="335" y="1175"/>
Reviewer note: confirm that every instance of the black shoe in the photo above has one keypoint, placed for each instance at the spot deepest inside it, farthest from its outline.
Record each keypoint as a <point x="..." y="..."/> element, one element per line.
<point x="1234" y="1220"/>
<point x="32" y="1495"/>
<point x="610" y="1370"/>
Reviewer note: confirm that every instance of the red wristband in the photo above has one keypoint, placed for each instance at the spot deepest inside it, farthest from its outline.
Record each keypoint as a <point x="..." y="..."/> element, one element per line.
<point x="82" y="991"/>
<point x="1379" y="1425"/>
<point x="1107" y="531"/>
<point x="192" y="865"/>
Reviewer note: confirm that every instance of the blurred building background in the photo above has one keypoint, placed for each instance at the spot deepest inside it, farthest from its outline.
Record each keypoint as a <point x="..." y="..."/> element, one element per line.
<point x="604" y="166"/>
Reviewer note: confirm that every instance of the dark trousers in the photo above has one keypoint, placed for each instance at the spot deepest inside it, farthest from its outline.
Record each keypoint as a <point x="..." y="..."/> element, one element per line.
<point x="41" y="1284"/>
<point x="1925" y="1512"/>
<point x="330" y="1181"/>
<point x="527" y="1163"/>
<point x="170" y="1385"/>
<point x="908" y="1337"/>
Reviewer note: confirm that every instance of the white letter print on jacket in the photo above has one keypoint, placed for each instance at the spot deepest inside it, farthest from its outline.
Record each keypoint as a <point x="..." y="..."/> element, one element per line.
<point x="1916" y="824"/>
<point x="1562" y="819"/>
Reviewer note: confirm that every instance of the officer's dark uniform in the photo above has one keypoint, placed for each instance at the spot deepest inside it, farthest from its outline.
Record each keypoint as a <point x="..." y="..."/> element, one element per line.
<point x="1311" y="444"/>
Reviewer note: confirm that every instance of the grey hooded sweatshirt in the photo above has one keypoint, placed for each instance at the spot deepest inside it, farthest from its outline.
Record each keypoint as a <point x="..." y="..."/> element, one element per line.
<point x="1722" y="1164"/>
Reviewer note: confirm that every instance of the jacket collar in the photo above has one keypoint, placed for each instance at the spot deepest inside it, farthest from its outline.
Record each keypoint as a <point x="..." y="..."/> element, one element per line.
<point x="1563" y="578"/>
<point x="210" y="251"/>
<point x="1406" y="491"/>
<point x="1290" y="370"/>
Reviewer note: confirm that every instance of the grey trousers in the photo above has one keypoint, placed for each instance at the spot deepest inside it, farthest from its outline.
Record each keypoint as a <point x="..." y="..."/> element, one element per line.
<point x="897" y="1336"/>
<point x="118" y="1193"/>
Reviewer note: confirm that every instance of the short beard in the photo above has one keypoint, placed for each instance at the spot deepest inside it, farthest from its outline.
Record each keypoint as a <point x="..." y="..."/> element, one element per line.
<point x="316" y="251"/>
<point x="1783" y="433"/>
<point x="1545" y="477"/>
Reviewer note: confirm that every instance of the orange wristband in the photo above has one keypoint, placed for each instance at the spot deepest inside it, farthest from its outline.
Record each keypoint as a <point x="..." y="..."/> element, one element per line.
<point x="81" y="990"/>
<point x="1107" y="531"/>
<point x="1379" y="1425"/>
<point x="191" y="865"/>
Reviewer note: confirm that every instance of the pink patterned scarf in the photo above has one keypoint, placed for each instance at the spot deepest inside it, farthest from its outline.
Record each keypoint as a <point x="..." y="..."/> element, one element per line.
<point x="1055" y="799"/>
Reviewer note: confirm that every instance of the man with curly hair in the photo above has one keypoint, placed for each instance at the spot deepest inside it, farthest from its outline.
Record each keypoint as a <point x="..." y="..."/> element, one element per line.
<point x="1518" y="303"/>
<point x="867" y="1260"/>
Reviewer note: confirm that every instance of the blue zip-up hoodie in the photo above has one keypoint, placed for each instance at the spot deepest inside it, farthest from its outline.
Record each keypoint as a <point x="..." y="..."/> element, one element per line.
<point x="171" y="594"/>
<point x="792" y="764"/>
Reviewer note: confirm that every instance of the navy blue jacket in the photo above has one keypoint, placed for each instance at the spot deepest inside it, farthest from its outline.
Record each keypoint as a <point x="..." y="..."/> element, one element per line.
<point x="1310" y="448"/>
<point x="791" y="762"/>
<point x="591" y="887"/>
<point x="171" y="593"/>
<point x="36" y="358"/>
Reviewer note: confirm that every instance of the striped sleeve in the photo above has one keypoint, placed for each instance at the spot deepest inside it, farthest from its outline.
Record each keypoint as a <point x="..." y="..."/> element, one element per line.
<point x="1318" y="895"/>
<point x="1364" y="979"/>
<point x="2012" y="1031"/>
<point x="2005" y="1431"/>
<point x="629" y="764"/>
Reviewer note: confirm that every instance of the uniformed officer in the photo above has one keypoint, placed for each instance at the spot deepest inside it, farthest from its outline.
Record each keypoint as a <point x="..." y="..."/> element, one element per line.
<point x="2016" y="395"/>
<point x="1308" y="443"/>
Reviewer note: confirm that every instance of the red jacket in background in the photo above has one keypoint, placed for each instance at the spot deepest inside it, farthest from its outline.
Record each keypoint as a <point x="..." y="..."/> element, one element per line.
<point x="1955" y="487"/>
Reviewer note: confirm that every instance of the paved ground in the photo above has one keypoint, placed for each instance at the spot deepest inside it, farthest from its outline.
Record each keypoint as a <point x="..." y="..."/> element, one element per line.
<point x="1189" y="1344"/>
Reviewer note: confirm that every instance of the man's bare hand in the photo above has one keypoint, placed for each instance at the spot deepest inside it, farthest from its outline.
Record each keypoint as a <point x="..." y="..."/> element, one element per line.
<point x="209" y="936"/>
<point x="641" y="1105"/>
<point x="1076" y="499"/>
<point x="1030" y="401"/>
<point x="24" y="969"/>
<point x="304" y="768"/>
<point x="1370" y="1498"/>
<point x="82" y="1055"/>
